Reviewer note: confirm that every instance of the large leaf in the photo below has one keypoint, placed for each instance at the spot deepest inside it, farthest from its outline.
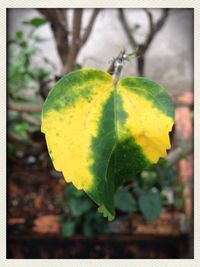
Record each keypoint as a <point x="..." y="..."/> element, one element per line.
<point x="100" y="136"/>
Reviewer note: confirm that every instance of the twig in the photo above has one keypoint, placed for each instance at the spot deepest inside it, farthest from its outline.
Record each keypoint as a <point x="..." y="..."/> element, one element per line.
<point x="118" y="66"/>
<point x="111" y="68"/>
<point x="67" y="50"/>
<point x="153" y="29"/>
<point x="180" y="152"/>
<point x="115" y="64"/>
<point x="23" y="108"/>
<point x="59" y="26"/>
<point x="75" y="45"/>
<point x="89" y="26"/>
<point x="150" y="17"/>
<point x="12" y="137"/>
<point x="29" y="119"/>
<point x="127" y="28"/>
<point x="62" y="18"/>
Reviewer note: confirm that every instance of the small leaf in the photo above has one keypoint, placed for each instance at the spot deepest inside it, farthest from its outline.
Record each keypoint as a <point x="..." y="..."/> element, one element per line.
<point x="71" y="191"/>
<point x="149" y="177"/>
<point x="11" y="41"/>
<point x="19" y="34"/>
<point x="168" y="173"/>
<point x="124" y="201"/>
<point x="88" y="228"/>
<point x="23" y="44"/>
<point x="94" y="223"/>
<point x="179" y="203"/>
<point x="79" y="206"/>
<point x="68" y="228"/>
<point x="36" y="22"/>
<point x="150" y="205"/>
<point x="40" y="39"/>
<point x="179" y="189"/>
<point x="42" y="74"/>
<point x="10" y="150"/>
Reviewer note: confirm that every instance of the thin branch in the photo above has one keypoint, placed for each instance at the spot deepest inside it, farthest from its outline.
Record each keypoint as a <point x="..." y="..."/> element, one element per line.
<point x="150" y="17"/>
<point x="76" y="27"/>
<point x="180" y="152"/>
<point x="62" y="18"/>
<point x="49" y="13"/>
<point x="55" y="16"/>
<point x="154" y="28"/>
<point x="59" y="26"/>
<point x="29" y="119"/>
<point x="89" y="26"/>
<point x="127" y="28"/>
<point x="111" y="67"/>
<point x="68" y="51"/>
<point x="117" y="63"/>
<point x="12" y="137"/>
<point x="118" y="66"/>
<point x="162" y="20"/>
<point x="74" y="48"/>
<point x="23" y="108"/>
<point x="142" y="47"/>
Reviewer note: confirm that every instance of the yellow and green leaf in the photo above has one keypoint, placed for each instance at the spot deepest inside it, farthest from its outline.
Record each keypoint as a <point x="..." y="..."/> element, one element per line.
<point x="100" y="136"/>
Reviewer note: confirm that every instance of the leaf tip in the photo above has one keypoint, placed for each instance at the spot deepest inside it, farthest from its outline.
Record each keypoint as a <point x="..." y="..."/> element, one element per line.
<point x="106" y="213"/>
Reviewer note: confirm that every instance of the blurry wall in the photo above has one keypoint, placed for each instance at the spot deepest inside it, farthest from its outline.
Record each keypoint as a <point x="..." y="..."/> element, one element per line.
<point x="169" y="59"/>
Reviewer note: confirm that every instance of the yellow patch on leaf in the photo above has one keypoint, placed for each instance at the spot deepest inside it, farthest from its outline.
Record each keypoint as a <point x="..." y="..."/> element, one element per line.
<point x="69" y="132"/>
<point x="148" y="125"/>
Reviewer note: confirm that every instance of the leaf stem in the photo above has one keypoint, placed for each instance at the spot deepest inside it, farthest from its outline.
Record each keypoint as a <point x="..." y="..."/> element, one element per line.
<point x="118" y="66"/>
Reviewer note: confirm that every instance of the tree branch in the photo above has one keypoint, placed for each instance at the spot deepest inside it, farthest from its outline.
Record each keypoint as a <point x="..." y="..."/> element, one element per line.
<point x="150" y="17"/>
<point x="75" y="45"/>
<point x="89" y="26"/>
<point x="142" y="47"/>
<point x="118" y="66"/>
<point x="62" y="18"/>
<point x="23" y="108"/>
<point x="162" y="20"/>
<point x="14" y="138"/>
<point x="59" y="26"/>
<point x="68" y="51"/>
<point x="127" y="28"/>
<point x="154" y="28"/>
<point x="180" y="152"/>
<point x="29" y="119"/>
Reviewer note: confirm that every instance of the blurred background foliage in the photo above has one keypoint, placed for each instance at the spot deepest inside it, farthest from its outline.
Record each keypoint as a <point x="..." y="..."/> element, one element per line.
<point x="24" y="77"/>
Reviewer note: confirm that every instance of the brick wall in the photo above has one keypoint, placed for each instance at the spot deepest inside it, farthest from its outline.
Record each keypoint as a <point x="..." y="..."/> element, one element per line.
<point x="184" y="133"/>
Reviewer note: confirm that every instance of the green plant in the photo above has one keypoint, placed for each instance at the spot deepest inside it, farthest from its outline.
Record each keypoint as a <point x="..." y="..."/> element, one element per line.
<point x="26" y="64"/>
<point x="154" y="188"/>
<point x="79" y="215"/>
<point x="27" y="68"/>
<point x="146" y="196"/>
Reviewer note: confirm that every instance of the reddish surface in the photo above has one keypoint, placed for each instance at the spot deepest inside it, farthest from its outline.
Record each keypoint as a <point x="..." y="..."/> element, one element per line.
<point x="32" y="191"/>
<point x="184" y="132"/>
